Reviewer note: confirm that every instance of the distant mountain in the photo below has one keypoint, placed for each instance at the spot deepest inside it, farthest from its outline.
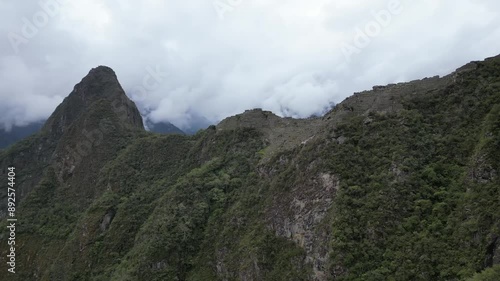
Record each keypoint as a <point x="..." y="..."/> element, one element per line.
<point x="18" y="133"/>
<point x="196" y="123"/>
<point x="401" y="182"/>
<point x="163" y="128"/>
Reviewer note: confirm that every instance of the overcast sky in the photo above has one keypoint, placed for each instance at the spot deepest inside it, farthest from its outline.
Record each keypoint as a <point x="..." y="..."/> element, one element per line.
<point x="178" y="59"/>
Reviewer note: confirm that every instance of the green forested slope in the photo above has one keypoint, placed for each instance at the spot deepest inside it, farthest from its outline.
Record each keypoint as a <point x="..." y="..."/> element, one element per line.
<point x="399" y="186"/>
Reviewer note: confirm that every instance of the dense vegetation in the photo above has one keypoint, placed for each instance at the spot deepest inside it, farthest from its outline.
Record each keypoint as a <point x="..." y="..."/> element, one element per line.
<point x="409" y="194"/>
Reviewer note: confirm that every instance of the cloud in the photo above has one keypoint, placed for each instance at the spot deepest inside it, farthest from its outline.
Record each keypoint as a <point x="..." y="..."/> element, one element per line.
<point x="284" y="56"/>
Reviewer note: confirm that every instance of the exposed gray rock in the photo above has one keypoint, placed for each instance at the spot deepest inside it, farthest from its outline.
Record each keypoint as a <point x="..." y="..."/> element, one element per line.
<point x="106" y="221"/>
<point x="299" y="217"/>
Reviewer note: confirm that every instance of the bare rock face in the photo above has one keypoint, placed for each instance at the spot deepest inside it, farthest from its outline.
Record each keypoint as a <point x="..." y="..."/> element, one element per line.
<point x="482" y="172"/>
<point x="106" y="221"/>
<point x="300" y="215"/>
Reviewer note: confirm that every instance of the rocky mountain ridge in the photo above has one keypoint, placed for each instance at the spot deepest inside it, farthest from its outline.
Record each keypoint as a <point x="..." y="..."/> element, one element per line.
<point x="397" y="183"/>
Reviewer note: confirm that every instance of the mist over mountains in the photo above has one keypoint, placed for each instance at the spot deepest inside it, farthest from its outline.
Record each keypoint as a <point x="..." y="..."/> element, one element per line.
<point x="283" y="56"/>
<point x="18" y="133"/>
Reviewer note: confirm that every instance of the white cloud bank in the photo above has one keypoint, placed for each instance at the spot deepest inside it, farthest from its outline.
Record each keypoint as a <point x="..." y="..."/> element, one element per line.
<point x="217" y="58"/>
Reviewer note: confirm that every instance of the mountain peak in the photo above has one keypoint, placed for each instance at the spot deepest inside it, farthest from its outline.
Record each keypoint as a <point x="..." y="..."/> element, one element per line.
<point x="280" y="133"/>
<point x="100" y="85"/>
<point x="101" y="74"/>
<point x="99" y="82"/>
<point x="102" y="68"/>
<point x="253" y="118"/>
